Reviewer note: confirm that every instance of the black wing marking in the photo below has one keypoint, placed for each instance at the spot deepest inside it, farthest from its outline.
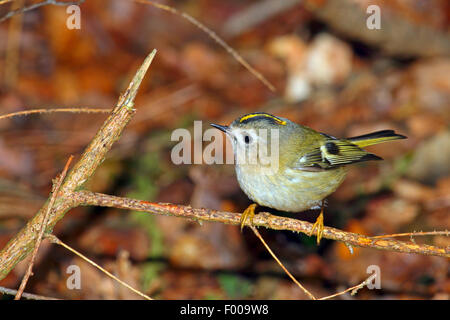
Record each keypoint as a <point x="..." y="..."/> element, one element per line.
<point x="332" y="154"/>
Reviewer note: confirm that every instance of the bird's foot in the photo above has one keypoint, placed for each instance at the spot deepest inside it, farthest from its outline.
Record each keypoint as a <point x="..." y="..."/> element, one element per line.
<point x="319" y="225"/>
<point x="248" y="213"/>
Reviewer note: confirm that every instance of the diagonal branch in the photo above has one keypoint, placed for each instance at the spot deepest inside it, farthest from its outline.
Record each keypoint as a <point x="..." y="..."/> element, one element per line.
<point x="21" y="245"/>
<point x="55" y="191"/>
<point x="262" y="219"/>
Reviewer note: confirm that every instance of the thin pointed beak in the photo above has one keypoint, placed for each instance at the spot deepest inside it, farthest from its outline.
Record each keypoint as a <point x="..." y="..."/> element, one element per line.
<point x="221" y="128"/>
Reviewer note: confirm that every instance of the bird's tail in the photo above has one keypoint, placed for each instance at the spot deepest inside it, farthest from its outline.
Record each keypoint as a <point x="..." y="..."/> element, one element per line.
<point x="375" y="138"/>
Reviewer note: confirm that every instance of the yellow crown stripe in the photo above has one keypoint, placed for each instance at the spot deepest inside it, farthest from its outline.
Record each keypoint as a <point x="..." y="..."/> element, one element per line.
<point x="249" y="116"/>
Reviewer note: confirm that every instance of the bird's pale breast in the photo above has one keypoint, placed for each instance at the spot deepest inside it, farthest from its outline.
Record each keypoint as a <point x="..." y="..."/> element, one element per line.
<point x="293" y="190"/>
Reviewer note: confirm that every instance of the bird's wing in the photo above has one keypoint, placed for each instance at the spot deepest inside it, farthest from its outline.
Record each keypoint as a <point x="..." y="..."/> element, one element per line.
<point x="333" y="153"/>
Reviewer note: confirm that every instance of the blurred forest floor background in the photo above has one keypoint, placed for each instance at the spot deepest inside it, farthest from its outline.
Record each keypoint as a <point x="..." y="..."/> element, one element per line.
<point x="331" y="73"/>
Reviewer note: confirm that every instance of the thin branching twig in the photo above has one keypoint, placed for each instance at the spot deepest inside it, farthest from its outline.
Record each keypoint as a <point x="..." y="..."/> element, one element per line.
<point x="414" y="234"/>
<point x="56" y="187"/>
<point x="353" y="289"/>
<point x="167" y="8"/>
<point x="25" y="295"/>
<point x="309" y="294"/>
<point x="37" y="5"/>
<point x="215" y="37"/>
<point x="55" y="240"/>
<point x="45" y="111"/>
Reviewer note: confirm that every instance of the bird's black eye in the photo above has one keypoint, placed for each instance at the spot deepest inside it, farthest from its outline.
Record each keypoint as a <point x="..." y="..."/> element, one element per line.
<point x="247" y="139"/>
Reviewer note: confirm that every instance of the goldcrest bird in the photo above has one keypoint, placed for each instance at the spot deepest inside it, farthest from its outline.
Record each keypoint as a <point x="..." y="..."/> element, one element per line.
<point x="289" y="167"/>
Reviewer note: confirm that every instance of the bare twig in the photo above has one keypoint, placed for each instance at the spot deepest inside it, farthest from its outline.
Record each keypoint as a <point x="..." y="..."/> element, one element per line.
<point x="309" y="294"/>
<point x="172" y="10"/>
<point x="43" y="111"/>
<point x="353" y="289"/>
<point x="37" y="5"/>
<point x="25" y="295"/>
<point x="55" y="240"/>
<point x="214" y="36"/>
<point x="255" y="14"/>
<point x="414" y="234"/>
<point x="22" y="244"/>
<point x="56" y="187"/>
<point x="262" y="219"/>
